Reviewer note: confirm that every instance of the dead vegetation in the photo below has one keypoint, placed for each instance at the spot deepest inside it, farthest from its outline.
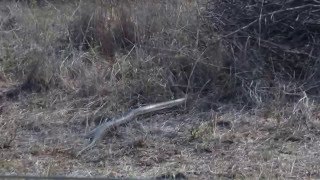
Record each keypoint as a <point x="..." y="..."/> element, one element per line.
<point x="251" y="68"/>
<point x="271" y="44"/>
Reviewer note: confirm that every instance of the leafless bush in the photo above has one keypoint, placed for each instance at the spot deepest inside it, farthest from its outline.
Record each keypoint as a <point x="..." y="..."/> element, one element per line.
<point x="268" y="42"/>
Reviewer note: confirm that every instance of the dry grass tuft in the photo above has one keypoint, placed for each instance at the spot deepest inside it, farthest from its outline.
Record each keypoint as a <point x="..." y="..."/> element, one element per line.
<point x="8" y="125"/>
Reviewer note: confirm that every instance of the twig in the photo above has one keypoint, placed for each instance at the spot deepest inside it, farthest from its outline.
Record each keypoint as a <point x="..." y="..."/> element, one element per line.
<point x="96" y="134"/>
<point x="270" y="13"/>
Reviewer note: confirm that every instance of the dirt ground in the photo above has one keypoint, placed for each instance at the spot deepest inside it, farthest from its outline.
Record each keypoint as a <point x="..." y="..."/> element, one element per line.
<point x="219" y="143"/>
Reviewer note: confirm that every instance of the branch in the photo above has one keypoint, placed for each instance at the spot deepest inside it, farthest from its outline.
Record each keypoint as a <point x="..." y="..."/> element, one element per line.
<point x="268" y="14"/>
<point x="96" y="134"/>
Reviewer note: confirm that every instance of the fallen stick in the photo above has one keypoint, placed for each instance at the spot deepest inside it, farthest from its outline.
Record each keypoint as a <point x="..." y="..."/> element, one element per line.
<point x="96" y="134"/>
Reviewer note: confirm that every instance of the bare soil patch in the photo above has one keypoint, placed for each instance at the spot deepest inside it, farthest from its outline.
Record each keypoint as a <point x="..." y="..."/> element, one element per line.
<point x="229" y="144"/>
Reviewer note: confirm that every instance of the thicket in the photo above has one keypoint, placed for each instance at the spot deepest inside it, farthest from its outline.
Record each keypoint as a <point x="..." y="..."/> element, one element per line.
<point x="271" y="47"/>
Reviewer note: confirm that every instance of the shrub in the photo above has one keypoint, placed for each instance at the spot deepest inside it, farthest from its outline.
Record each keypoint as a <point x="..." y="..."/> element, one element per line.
<point x="268" y="43"/>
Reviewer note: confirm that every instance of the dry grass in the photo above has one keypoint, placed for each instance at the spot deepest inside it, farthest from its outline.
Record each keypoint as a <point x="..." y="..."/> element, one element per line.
<point x="67" y="65"/>
<point x="230" y="143"/>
